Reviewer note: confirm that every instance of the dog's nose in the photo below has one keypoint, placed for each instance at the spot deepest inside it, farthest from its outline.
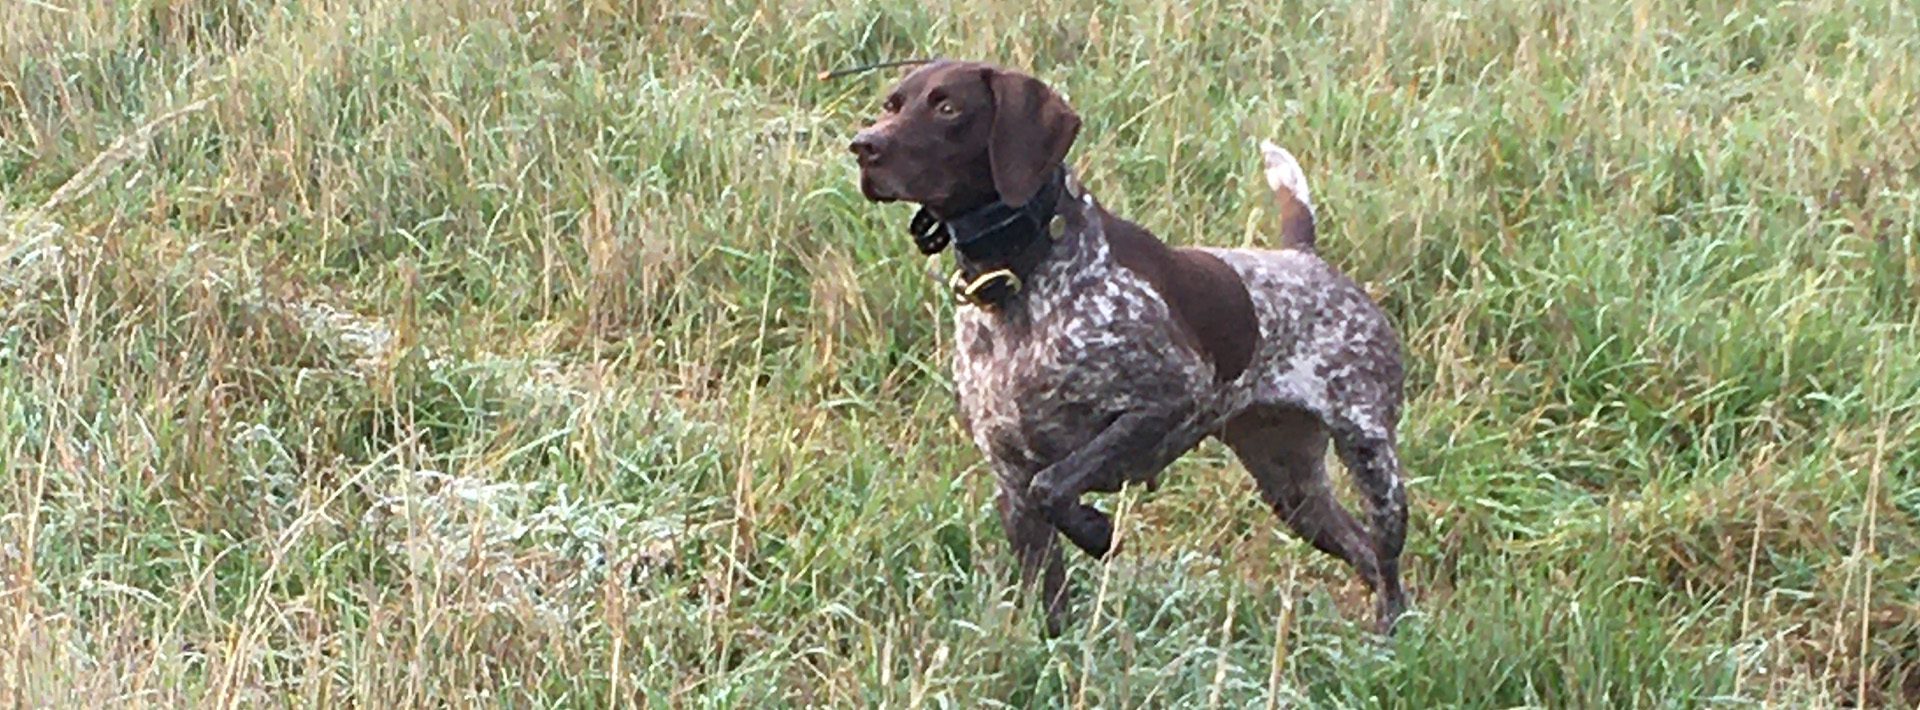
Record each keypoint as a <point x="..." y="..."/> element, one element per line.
<point x="866" y="147"/>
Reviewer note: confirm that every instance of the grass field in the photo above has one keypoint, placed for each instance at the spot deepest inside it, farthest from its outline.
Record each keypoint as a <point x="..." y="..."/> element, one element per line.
<point x="543" y="353"/>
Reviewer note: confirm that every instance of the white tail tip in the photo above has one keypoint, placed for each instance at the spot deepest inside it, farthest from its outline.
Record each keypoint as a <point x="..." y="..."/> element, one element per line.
<point x="1284" y="173"/>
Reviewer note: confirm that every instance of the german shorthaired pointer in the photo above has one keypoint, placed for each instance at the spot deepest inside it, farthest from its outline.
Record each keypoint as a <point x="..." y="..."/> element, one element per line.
<point x="1089" y="354"/>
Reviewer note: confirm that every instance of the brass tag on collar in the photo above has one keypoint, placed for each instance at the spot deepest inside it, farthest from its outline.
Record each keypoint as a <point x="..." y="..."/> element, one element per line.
<point x="985" y="291"/>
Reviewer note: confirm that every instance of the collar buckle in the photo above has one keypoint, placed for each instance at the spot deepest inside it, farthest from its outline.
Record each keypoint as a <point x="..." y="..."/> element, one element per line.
<point x="986" y="291"/>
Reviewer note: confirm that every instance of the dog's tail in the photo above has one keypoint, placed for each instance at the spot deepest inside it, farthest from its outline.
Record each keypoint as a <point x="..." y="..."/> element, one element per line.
<point x="1289" y="186"/>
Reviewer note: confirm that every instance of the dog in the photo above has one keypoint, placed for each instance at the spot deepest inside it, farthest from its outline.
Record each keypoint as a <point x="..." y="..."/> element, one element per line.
<point x="1089" y="354"/>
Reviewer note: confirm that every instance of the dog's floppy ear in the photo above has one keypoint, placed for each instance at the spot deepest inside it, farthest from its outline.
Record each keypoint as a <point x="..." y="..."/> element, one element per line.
<point x="1032" y="130"/>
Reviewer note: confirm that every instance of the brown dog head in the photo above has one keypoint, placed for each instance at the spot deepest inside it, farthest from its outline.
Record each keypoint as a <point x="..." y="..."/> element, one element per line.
<point x="956" y="135"/>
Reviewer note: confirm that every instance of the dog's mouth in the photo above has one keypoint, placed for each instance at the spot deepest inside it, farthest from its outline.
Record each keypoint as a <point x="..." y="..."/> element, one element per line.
<point x="875" y="190"/>
<point x="887" y="186"/>
<point x="879" y="184"/>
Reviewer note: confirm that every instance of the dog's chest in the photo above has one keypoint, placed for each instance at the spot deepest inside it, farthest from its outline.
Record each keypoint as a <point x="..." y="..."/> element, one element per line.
<point x="1090" y="341"/>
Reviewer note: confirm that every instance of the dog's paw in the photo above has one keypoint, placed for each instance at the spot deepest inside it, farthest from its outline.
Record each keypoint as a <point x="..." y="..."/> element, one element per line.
<point x="1091" y="531"/>
<point x="1387" y="610"/>
<point x="1054" y="625"/>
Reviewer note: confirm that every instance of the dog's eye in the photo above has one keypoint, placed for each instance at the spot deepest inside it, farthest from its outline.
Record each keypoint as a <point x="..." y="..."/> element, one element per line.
<point x="892" y="105"/>
<point x="946" y="108"/>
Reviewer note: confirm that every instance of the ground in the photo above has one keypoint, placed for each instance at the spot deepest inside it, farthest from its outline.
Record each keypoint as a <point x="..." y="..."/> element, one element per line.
<point x="543" y="353"/>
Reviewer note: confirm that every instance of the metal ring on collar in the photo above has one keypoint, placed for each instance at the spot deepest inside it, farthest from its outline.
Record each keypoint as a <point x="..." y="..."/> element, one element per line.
<point x="976" y="292"/>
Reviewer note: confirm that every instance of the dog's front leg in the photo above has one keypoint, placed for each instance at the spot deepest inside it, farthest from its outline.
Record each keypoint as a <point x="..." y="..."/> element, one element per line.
<point x="1034" y="542"/>
<point x="1135" y="444"/>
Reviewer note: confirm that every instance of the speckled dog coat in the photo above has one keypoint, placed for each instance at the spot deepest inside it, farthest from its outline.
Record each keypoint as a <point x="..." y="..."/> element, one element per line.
<point x="1041" y="376"/>
<point x="1098" y="354"/>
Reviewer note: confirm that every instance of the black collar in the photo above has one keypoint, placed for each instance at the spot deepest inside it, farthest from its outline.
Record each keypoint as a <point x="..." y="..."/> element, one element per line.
<point x="996" y="242"/>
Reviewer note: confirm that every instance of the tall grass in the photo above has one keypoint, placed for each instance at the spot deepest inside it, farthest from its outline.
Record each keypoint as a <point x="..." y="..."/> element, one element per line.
<point x="543" y="353"/>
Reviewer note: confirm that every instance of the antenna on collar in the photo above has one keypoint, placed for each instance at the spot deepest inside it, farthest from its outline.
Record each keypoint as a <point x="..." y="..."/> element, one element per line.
<point x="850" y="71"/>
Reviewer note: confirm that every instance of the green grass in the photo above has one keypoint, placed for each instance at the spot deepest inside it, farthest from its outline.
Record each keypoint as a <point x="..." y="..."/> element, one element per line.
<point x="544" y="353"/>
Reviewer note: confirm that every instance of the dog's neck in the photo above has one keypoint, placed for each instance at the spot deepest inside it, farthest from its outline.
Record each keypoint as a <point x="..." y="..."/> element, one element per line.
<point x="995" y="236"/>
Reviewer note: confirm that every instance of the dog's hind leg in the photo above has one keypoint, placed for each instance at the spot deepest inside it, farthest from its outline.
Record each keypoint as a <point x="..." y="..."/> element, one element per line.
<point x="1375" y="465"/>
<point x="1285" y="451"/>
<point x="1362" y="412"/>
